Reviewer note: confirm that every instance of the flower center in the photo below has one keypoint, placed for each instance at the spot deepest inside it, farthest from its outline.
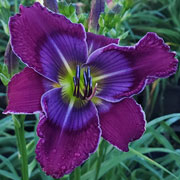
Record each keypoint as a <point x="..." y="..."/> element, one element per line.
<point x="83" y="90"/>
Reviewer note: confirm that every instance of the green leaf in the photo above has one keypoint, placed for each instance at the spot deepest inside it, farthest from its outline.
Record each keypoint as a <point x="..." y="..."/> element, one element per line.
<point x="8" y="175"/>
<point x="162" y="118"/>
<point x="30" y="147"/>
<point x="4" y="79"/>
<point x="31" y="166"/>
<point x="101" y="21"/>
<point x="149" y="160"/>
<point x="9" y="166"/>
<point x="2" y="94"/>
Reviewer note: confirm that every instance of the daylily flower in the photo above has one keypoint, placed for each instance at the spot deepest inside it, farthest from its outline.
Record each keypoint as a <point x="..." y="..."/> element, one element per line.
<point x="82" y="84"/>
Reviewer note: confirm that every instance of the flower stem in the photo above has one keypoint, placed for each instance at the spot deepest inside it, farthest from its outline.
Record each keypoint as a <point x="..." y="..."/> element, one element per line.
<point x="21" y="143"/>
<point x="77" y="173"/>
<point x="101" y="154"/>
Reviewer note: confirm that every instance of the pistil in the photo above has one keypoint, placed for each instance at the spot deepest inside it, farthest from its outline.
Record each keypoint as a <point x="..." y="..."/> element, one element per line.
<point x="93" y="93"/>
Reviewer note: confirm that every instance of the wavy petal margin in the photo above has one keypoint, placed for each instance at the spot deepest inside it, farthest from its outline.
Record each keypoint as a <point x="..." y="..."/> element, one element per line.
<point x="124" y="71"/>
<point x="121" y="122"/>
<point x="59" y="151"/>
<point x="24" y="92"/>
<point x="46" y="41"/>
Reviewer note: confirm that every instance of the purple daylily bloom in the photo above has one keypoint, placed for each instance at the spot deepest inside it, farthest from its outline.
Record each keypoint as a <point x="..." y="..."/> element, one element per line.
<point x="81" y="84"/>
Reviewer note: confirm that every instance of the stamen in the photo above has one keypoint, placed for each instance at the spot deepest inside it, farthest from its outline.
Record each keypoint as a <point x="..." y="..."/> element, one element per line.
<point x="88" y="90"/>
<point x="85" y="79"/>
<point x="85" y="84"/>
<point x="78" y="79"/>
<point x="93" y="93"/>
<point x="75" y="86"/>
<point x="90" y="87"/>
<point x="77" y="71"/>
<point x="88" y="72"/>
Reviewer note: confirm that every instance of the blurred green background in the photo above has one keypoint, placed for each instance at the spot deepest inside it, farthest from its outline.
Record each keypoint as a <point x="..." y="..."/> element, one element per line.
<point x="156" y="156"/>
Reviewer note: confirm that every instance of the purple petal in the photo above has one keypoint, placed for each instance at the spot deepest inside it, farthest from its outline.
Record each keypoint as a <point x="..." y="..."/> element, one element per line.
<point x="121" y="122"/>
<point x="59" y="151"/>
<point x="46" y="41"/>
<point x="124" y="71"/>
<point x="24" y="92"/>
<point x="95" y="41"/>
<point x="68" y="114"/>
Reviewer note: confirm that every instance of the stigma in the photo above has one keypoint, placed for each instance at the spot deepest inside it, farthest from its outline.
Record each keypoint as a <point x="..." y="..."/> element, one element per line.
<point x="87" y="92"/>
